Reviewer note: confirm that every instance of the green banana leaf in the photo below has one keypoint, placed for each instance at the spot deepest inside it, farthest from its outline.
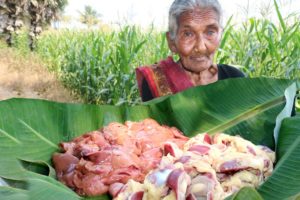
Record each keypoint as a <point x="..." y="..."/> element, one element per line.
<point x="246" y="193"/>
<point x="30" y="131"/>
<point x="281" y="184"/>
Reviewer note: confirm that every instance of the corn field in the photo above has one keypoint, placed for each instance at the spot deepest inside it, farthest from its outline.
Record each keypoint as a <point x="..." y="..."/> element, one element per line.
<point x="99" y="65"/>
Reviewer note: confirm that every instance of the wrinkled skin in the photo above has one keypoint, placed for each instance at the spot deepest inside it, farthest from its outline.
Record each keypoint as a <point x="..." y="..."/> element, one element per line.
<point x="197" y="39"/>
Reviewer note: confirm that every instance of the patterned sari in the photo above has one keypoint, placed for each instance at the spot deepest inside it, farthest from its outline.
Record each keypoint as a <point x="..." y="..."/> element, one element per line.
<point x="164" y="78"/>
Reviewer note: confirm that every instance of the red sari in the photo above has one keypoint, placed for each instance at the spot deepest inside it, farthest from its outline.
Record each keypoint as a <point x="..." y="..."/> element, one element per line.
<point x="164" y="78"/>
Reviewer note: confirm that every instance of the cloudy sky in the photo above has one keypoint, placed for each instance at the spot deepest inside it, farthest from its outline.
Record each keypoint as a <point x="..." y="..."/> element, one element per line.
<point x="144" y="12"/>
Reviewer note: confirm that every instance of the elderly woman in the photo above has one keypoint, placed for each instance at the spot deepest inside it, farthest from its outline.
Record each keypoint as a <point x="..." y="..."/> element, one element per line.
<point x="194" y="34"/>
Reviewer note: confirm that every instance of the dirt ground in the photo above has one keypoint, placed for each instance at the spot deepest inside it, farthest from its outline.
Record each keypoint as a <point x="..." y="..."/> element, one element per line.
<point x="26" y="77"/>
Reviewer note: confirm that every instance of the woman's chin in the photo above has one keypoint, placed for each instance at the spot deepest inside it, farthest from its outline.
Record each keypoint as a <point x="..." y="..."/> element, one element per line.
<point x="201" y="65"/>
<point x="200" y="68"/>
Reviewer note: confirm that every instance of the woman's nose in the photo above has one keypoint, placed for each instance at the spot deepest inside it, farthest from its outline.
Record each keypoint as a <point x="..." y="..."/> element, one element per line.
<point x="200" y="45"/>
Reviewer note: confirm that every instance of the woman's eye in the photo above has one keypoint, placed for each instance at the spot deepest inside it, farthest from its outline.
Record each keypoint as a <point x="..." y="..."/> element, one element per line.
<point x="188" y="33"/>
<point x="211" y="33"/>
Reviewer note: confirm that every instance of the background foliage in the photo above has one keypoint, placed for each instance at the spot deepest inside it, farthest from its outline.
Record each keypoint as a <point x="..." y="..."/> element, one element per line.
<point x="35" y="13"/>
<point x="100" y="65"/>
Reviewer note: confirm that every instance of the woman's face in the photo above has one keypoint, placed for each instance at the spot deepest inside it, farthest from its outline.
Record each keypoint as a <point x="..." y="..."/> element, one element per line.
<point x="197" y="39"/>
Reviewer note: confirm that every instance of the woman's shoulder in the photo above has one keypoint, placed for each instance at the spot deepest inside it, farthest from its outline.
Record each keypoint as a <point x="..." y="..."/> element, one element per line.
<point x="153" y="80"/>
<point x="167" y="61"/>
<point x="227" y="71"/>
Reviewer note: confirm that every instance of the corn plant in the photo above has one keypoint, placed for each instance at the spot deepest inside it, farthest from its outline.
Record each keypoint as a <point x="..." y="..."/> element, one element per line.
<point x="100" y="65"/>
<point x="262" y="48"/>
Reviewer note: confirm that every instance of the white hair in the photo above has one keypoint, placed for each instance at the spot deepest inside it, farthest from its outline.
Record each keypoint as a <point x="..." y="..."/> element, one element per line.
<point x="180" y="6"/>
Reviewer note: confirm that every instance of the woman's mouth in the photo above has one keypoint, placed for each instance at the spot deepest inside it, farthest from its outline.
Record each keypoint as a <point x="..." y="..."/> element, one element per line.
<point x="198" y="58"/>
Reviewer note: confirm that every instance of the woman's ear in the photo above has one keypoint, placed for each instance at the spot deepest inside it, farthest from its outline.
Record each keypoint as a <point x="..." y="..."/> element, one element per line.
<point x="171" y="43"/>
<point x="221" y="34"/>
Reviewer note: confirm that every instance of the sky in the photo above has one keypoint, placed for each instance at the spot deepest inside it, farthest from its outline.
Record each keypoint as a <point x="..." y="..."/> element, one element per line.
<point x="145" y="12"/>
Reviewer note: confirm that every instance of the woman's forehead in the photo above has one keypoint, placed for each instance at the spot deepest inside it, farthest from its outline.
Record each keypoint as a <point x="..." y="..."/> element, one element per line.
<point x="199" y="16"/>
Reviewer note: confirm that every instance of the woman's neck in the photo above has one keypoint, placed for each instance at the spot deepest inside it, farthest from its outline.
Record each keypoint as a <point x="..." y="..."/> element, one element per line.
<point x="204" y="77"/>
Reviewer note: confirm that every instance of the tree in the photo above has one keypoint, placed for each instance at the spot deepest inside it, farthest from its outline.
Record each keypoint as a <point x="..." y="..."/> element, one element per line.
<point x="89" y="16"/>
<point x="40" y="13"/>
<point x="11" y="17"/>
